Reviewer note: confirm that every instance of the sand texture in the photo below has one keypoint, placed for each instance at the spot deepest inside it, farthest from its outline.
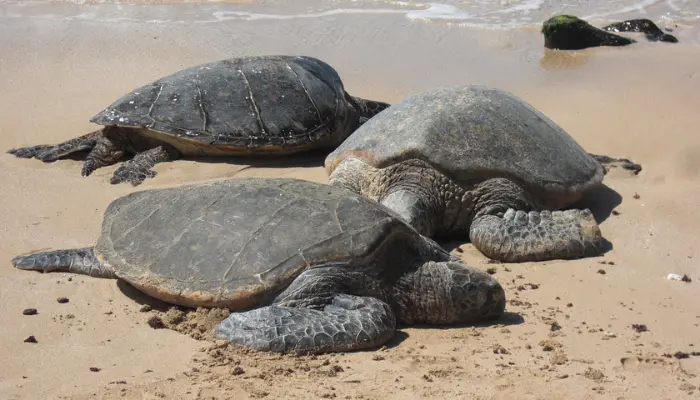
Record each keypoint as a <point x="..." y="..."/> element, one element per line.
<point x="609" y="327"/>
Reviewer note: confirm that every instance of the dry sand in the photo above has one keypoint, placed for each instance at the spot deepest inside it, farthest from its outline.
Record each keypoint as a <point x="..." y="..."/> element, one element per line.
<point x="568" y="333"/>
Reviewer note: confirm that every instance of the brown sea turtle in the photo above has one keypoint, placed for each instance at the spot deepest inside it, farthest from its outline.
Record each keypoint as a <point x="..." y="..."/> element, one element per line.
<point x="306" y="267"/>
<point x="237" y="107"/>
<point x="477" y="160"/>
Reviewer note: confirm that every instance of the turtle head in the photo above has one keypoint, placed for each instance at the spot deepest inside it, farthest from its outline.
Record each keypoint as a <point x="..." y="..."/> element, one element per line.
<point x="366" y="109"/>
<point x="474" y="295"/>
<point x="450" y="292"/>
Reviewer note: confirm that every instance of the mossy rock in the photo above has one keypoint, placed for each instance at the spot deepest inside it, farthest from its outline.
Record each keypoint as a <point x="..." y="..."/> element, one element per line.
<point x="567" y="32"/>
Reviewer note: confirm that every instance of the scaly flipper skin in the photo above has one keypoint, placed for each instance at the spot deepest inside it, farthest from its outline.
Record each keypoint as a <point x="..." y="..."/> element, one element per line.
<point x="348" y="323"/>
<point x="610" y="162"/>
<point x="136" y="170"/>
<point x="334" y="309"/>
<point x="109" y="149"/>
<point x="49" y="153"/>
<point x="369" y="108"/>
<point x="78" y="261"/>
<point x="412" y="209"/>
<point x="108" y="146"/>
<point x="520" y="236"/>
<point x="503" y="229"/>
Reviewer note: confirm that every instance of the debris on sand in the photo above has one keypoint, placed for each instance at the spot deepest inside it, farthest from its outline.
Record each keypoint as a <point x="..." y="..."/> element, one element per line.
<point x="677" y="277"/>
<point x="30" y="339"/>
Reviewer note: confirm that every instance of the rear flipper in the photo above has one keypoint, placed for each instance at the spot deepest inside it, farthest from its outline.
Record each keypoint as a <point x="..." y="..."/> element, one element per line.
<point x="348" y="323"/>
<point x="624" y="163"/>
<point x="138" y="168"/>
<point x="537" y="236"/>
<point x="77" y="261"/>
<point x="49" y="153"/>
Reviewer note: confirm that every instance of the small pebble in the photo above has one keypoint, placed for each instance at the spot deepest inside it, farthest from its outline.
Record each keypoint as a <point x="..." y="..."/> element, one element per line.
<point x="145" y="308"/>
<point x="237" y="370"/>
<point x="30" y="311"/>
<point x="30" y="339"/>
<point x="601" y="271"/>
<point x="155" y="322"/>
<point x="95" y="369"/>
<point x="62" y="300"/>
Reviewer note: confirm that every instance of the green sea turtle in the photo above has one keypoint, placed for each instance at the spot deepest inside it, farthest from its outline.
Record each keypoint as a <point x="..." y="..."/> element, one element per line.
<point x="477" y="160"/>
<point x="306" y="267"/>
<point x="237" y="107"/>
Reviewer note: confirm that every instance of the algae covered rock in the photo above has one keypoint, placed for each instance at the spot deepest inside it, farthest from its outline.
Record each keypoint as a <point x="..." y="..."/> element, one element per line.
<point x="567" y="32"/>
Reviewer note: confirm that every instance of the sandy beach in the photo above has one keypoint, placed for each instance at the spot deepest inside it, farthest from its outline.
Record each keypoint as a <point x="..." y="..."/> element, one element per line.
<point x="608" y="327"/>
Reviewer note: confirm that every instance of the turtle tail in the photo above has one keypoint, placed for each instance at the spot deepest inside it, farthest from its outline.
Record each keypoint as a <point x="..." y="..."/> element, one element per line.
<point x="78" y="261"/>
<point x="369" y="108"/>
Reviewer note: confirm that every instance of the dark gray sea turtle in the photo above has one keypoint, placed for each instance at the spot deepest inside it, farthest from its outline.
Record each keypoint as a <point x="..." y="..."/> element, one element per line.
<point x="237" y="107"/>
<point x="477" y="160"/>
<point x="308" y="267"/>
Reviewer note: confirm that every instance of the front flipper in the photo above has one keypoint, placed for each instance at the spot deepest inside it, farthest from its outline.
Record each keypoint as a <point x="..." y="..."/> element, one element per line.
<point x="416" y="212"/>
<point x="624" y="163"/>
<point x="537" y="236"/>
<point x="138" y="168"/>
<point x="77" y="261"/>
<point x="110" y="148"/>
<point x="49" y="153"/>
<point x="348" y="323"/>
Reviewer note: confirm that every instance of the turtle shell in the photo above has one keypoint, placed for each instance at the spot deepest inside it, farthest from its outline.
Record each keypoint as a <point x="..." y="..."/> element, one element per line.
<point x="471" y="133"/>
<point x="238" y="242"/>
<point x="261" y="101"/>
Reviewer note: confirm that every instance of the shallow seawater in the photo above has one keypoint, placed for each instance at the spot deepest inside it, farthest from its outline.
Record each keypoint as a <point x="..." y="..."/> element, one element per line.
<point x="474" y="13"/>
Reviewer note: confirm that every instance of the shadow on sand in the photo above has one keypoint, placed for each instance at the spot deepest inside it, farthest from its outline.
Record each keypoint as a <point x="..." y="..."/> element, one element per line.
<point x="311" y="158"/>
<point x="142" y="298"/>
<point x="601" y="200"/>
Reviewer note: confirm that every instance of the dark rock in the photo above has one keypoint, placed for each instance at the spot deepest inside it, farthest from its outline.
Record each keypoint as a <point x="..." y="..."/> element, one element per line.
<point x="652" y="32"/>
<point x="567" y="32"/>
<point x="145" y="308"/>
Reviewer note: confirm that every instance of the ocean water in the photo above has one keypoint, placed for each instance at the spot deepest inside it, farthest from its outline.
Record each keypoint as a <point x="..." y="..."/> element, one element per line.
<point x="488" y="14"/>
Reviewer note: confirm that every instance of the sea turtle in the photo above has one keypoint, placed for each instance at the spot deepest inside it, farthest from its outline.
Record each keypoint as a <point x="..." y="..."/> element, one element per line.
<point x="477" y="160"/>
<point x="307" y="267"/>
<point x="237" y="107"/>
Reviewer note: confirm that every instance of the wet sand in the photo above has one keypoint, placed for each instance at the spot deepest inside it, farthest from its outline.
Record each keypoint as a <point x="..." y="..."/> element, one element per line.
<point x="568" y="331"/>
